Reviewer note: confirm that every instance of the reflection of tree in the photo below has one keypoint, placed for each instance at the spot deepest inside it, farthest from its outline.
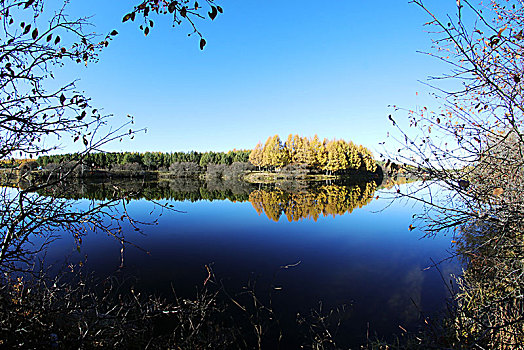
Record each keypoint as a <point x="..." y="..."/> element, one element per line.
<point x="391" y="182"/>
<point x="325" y="200"/>
<point x="295" y="203"/>
<point x="180" y="189"/>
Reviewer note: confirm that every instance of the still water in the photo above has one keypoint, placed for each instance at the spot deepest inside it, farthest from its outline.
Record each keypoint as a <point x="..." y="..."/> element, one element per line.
<point x="345" y="245"/>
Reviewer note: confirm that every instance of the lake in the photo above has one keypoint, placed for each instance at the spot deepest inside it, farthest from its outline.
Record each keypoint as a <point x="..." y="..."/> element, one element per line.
<point x="342" y="245"/>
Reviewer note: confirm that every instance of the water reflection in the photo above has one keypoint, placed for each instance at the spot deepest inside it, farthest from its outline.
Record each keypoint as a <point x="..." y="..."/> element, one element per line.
<point x="295" y="200"/>
<point x="372" y="263"/>
<point x="324" y="200"/>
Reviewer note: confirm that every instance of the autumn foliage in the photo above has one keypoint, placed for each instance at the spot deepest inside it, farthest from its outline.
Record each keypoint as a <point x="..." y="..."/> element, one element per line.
<point x="329" y="156"/>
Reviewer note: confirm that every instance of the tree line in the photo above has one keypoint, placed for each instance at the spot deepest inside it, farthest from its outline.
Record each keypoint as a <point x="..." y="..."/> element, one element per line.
<point x="329" y="156"/>
<point x="147" y="160"/>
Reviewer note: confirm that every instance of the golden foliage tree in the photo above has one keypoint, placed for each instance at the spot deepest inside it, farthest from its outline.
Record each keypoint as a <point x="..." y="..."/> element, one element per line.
<point x="329" y="156"/>
<point x="336" y="160"/>
<point x="274" y="153"/>
<point x="256" y="155"/>
<point x="317" y="152"/>
<point x="302" y="147"/>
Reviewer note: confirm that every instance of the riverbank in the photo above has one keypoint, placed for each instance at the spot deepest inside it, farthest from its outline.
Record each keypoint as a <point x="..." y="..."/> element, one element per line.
<point x="273" y="177"/>
<point x="239" y="171"/>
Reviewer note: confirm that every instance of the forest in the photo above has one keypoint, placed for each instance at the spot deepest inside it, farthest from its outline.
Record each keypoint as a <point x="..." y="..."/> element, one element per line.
<point x="296" y="156"/>
<point x="147" y="160"/>
<point x="330" y="156"/>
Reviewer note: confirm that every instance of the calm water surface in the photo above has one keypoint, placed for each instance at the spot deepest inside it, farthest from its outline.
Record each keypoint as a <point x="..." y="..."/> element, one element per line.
<point x="366" y="258"/>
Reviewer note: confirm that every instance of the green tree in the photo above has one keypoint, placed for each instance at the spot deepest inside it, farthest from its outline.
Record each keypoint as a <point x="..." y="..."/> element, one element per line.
<point x="149" y="160"/>
<point x="132" y="157"/>
<point x="206" y="159"/>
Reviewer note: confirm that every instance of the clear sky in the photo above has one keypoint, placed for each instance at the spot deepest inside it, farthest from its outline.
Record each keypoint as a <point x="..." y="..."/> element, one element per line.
<point x="306" y="67"/>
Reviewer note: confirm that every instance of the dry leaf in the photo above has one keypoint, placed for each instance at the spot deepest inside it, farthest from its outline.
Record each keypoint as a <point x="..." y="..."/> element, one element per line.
<point x="498" y="191"/>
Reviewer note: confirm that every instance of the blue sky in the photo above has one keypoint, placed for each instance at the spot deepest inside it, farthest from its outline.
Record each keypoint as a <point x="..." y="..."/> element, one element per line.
<point x="269" y="67"/>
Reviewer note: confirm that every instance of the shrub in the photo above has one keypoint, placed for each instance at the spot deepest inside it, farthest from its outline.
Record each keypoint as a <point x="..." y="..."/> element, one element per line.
<point x="185" y="169"/>
<point x="216" y="170"/>
<point x="295" y="170"/>
<point x="28" y="166"/>
<point x="129" y="169"/>
<point x="238" y="168"/>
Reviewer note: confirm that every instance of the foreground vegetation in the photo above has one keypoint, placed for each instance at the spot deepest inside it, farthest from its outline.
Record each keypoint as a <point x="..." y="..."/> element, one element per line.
<point x="473" y="145"/>
<point x="72" y="310"/>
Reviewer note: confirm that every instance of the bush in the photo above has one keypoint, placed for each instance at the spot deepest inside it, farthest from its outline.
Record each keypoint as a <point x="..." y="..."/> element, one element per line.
<point x="238" y="168"/>
<point x="28" y="166"/>
<point x="129" y="169"/>
<point x="295" y="170"/>
<point x="216" y="170"/>
<point x="60" y="169"/>
<point x="185" y="169"/>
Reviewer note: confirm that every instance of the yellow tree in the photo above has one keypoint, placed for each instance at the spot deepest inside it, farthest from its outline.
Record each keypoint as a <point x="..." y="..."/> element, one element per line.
<point x="368" y="162"/>
<point x="336" y="156"/>
<point x="302" y="148"/>
<point x="255" y="157"/>
<point x="274" y="153"/>
<point x="266" y="159"/>
<point x="291" y="147"/>
<point x="317" y="154"/>
<point x="352" y="156"/>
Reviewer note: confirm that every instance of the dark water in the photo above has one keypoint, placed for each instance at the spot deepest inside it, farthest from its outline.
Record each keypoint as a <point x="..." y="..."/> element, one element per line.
<point x="349" y="248"/>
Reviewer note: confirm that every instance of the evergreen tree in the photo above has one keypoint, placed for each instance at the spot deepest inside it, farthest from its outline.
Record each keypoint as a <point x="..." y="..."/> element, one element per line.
<point x="149" y="160"/>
